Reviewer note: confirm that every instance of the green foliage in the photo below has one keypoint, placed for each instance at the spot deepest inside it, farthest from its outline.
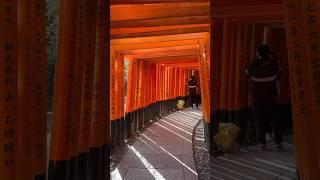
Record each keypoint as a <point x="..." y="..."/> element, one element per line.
<point x="52" y="17"/>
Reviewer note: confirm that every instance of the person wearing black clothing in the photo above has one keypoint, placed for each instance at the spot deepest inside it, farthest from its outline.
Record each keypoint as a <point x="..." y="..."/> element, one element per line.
<point x="192" y="86"/>
<point x="264" y="72"/>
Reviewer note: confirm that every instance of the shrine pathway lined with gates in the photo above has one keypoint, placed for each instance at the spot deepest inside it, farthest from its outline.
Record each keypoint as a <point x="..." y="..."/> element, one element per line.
<point x="163" y="151"/>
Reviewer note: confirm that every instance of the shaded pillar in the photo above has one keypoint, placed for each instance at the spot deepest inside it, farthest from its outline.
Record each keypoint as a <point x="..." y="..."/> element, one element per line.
<point x="99" y="138"/>
<point x="216" y="30"/>
<point x="232" y="73"/>
<point x="266" y="35"/>
<point x="225" y="58"/>
<point x="32" y="99"/>
<point x="63" y="91"/>
<point x="8" y="88"/>
<point x="303" y="27"/>
<point x="40" y="93"/>
<point x="241" y="81"/>
<point x="87" y="89"/>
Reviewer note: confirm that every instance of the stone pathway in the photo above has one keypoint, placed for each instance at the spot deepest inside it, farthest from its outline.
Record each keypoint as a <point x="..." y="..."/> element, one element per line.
<point x="252" y="163"/>
<point x="163" y="151"/>
<point x="249" y="163"/>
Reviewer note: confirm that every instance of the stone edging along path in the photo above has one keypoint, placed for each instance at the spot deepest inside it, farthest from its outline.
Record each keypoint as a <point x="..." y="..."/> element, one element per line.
<point x="200" y="152"/>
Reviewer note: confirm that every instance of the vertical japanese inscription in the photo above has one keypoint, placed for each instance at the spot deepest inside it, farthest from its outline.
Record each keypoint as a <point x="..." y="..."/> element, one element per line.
<point x="99" y="117"/>
<point x="112" y="87"/>
<point x="301" y="33"/>
<point x="121" y="86"/>
<point x="311" y="20"/>
<point x="77" y="81"/>
<point x="40" y="90"/>
<point x="88" y="75"/>
<point x="64" y="78"/>
<point x="8" y="88"/>
<point x="26" y="100"/>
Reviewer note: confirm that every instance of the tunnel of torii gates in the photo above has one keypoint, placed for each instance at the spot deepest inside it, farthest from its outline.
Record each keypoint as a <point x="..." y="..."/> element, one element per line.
<point x="162" y="41"/>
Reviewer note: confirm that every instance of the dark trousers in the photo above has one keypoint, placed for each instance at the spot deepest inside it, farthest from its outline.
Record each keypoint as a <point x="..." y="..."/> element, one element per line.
<point x="193" y="100"/>
<point x="267" y="119"/>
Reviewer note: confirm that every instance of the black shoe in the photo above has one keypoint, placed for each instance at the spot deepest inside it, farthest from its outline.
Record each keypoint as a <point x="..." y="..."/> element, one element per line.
<point x="217" y="153"/>
<point x="280" y="147"/>
<point x="263" y="147"/>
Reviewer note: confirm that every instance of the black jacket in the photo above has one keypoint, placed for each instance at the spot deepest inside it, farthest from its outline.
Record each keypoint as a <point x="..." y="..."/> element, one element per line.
<point x="263" y="74"/>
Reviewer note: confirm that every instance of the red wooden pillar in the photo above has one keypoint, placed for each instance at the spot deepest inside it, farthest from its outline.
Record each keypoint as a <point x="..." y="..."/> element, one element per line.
<point x="87" y="88"/>
<point x="241" y="81"/>
<point x="240" y="67"/>
<point x="99" y="138"/>
<point x="232" y="73"/>
<point x="40" y="134"/>
<point x="31" y="147"/>
<point x="303" y="27"/>
<point x="77" y="90"/>
<point x="216" y="39"/>
<point x="8" y="88"/>
<point x="63" y="91"/>
<point x="226" y="48"/>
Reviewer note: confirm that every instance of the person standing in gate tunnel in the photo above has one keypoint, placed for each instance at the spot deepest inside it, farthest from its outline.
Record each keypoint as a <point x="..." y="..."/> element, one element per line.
<point x="263" y="73"/>
<point x="192" y="86"/>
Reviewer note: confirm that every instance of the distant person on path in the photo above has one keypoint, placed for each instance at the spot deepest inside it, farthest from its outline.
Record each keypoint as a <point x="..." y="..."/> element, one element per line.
<point x="192" y="86"/>
<point x="264" y="72"/>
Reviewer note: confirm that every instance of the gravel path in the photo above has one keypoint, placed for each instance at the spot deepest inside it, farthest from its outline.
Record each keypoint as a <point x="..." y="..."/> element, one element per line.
<point x="201" y="153"/>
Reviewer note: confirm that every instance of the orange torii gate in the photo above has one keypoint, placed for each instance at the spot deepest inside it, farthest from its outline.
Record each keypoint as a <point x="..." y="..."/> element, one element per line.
<point x="85" y="103"/>
<point x="151" y="92"/>
<point x="303" y="66"/>
<point x="23" y="90"/>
